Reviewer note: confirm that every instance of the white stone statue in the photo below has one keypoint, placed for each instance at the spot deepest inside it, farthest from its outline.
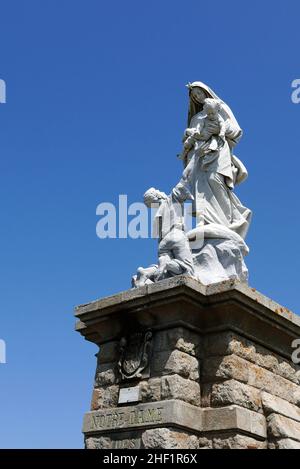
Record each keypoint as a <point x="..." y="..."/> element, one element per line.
<point x="201" y="137"/>
<point x="174" y="251"/>
<point x="214" y="175"/>
<point x="211" y="172"/>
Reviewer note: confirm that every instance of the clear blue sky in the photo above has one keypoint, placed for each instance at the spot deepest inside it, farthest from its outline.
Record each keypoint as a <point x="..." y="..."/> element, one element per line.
<point x="96" y="107"/>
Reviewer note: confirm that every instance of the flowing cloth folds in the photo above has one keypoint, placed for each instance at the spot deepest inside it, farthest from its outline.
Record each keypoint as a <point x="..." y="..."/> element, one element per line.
<point x="214" y="202"/>
<point x="211" y="178"/>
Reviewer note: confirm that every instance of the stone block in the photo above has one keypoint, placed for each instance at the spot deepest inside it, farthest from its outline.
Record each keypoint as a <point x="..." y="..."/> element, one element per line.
<point x="233" y="392"/>
<point x="179" y="338"/>
<point x="151" y="390"/>
<point x="106" y="375"/>
<point x="98" y="443"/>
<point x="105" y="397"/>
<point x="175" y="362"/>
<point x="176" y="387"/>
<point x="173" y="413"/>
<point x="227" y="343"/>
<point x="237" y="442"/>
<point x="205" y="442"/>
<point x="234" y="418"/>
<point x="273" y="384"/>
<point x="273" y="404"/>
<point x="285" y="443"/>
<point x="233" y="367"/>
<point x="280" y="427"/>
<point x="122" y="440"/>
<point x="220" y="368"/>
<point x="164" y="438"/>
<point x="287" y="370"/>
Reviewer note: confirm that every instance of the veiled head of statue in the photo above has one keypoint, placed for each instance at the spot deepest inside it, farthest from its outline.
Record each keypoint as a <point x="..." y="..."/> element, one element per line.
<point x="198" y="95"/>
<point x="198" y="92"/>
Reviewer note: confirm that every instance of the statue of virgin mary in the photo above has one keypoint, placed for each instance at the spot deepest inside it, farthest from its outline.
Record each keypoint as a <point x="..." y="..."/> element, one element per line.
<point x="212" y="180"/>
<point x="218" y="241"/>
<point x="214" y="250"/>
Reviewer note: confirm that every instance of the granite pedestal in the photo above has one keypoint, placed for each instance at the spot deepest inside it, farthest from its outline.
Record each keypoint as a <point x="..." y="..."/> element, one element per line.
<point x="187" y="366"/>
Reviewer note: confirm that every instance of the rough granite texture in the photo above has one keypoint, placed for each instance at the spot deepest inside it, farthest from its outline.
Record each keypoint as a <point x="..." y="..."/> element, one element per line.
<point x="223" y="351"/>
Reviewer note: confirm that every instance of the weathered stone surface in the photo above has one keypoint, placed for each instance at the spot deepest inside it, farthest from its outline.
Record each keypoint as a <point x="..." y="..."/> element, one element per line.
<point x="234" y="392"/>
<point x="282" y="427"/>
<point x="171" y="413"/>
<point x="238" y="442"/>
<point x="288" y="370"/>
<point x="220" y="368"/>
<point x="185" y="299"/>
<point x="105" y="397"/>
<point x="272" y="404"/>
<point x="231" y="441"/>
<point x="106" y="375"/>
<point x="108" y="353"/>
<point x="151" y="390"/>
<point x="163" y="438"/>
<point x="176" y="387"/>
<point x="234" y="367"/>
<point x="124" y="440"/>
<point x="234" y="418"/>
<point x="205" y="443"/>
<point x="178" y="338"/>
<point x="176" y="362"/>
<point x="227" y="343"/>
<point x="98" y="443"/>
<point x="235" y="372"/>
<point x="285" y="443"/>
<point x="274" y="384"/>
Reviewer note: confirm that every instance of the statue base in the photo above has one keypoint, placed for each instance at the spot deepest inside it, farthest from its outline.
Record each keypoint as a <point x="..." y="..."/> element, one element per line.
<point x="187" y="366"/>
<point x="219" y="260"/>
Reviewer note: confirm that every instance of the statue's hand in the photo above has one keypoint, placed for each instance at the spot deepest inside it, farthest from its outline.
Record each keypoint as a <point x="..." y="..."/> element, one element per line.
<point x="205" y="148"/>
<point x="189" y="131"/>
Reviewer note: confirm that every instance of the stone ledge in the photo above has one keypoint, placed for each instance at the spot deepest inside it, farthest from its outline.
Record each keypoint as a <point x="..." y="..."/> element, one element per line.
<point x="234" y="418"/>
<point x="209" y="294"/>
<point x="184" y="302"/>
<point x="176" y="414"/>
<point x="158" y="414"/>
